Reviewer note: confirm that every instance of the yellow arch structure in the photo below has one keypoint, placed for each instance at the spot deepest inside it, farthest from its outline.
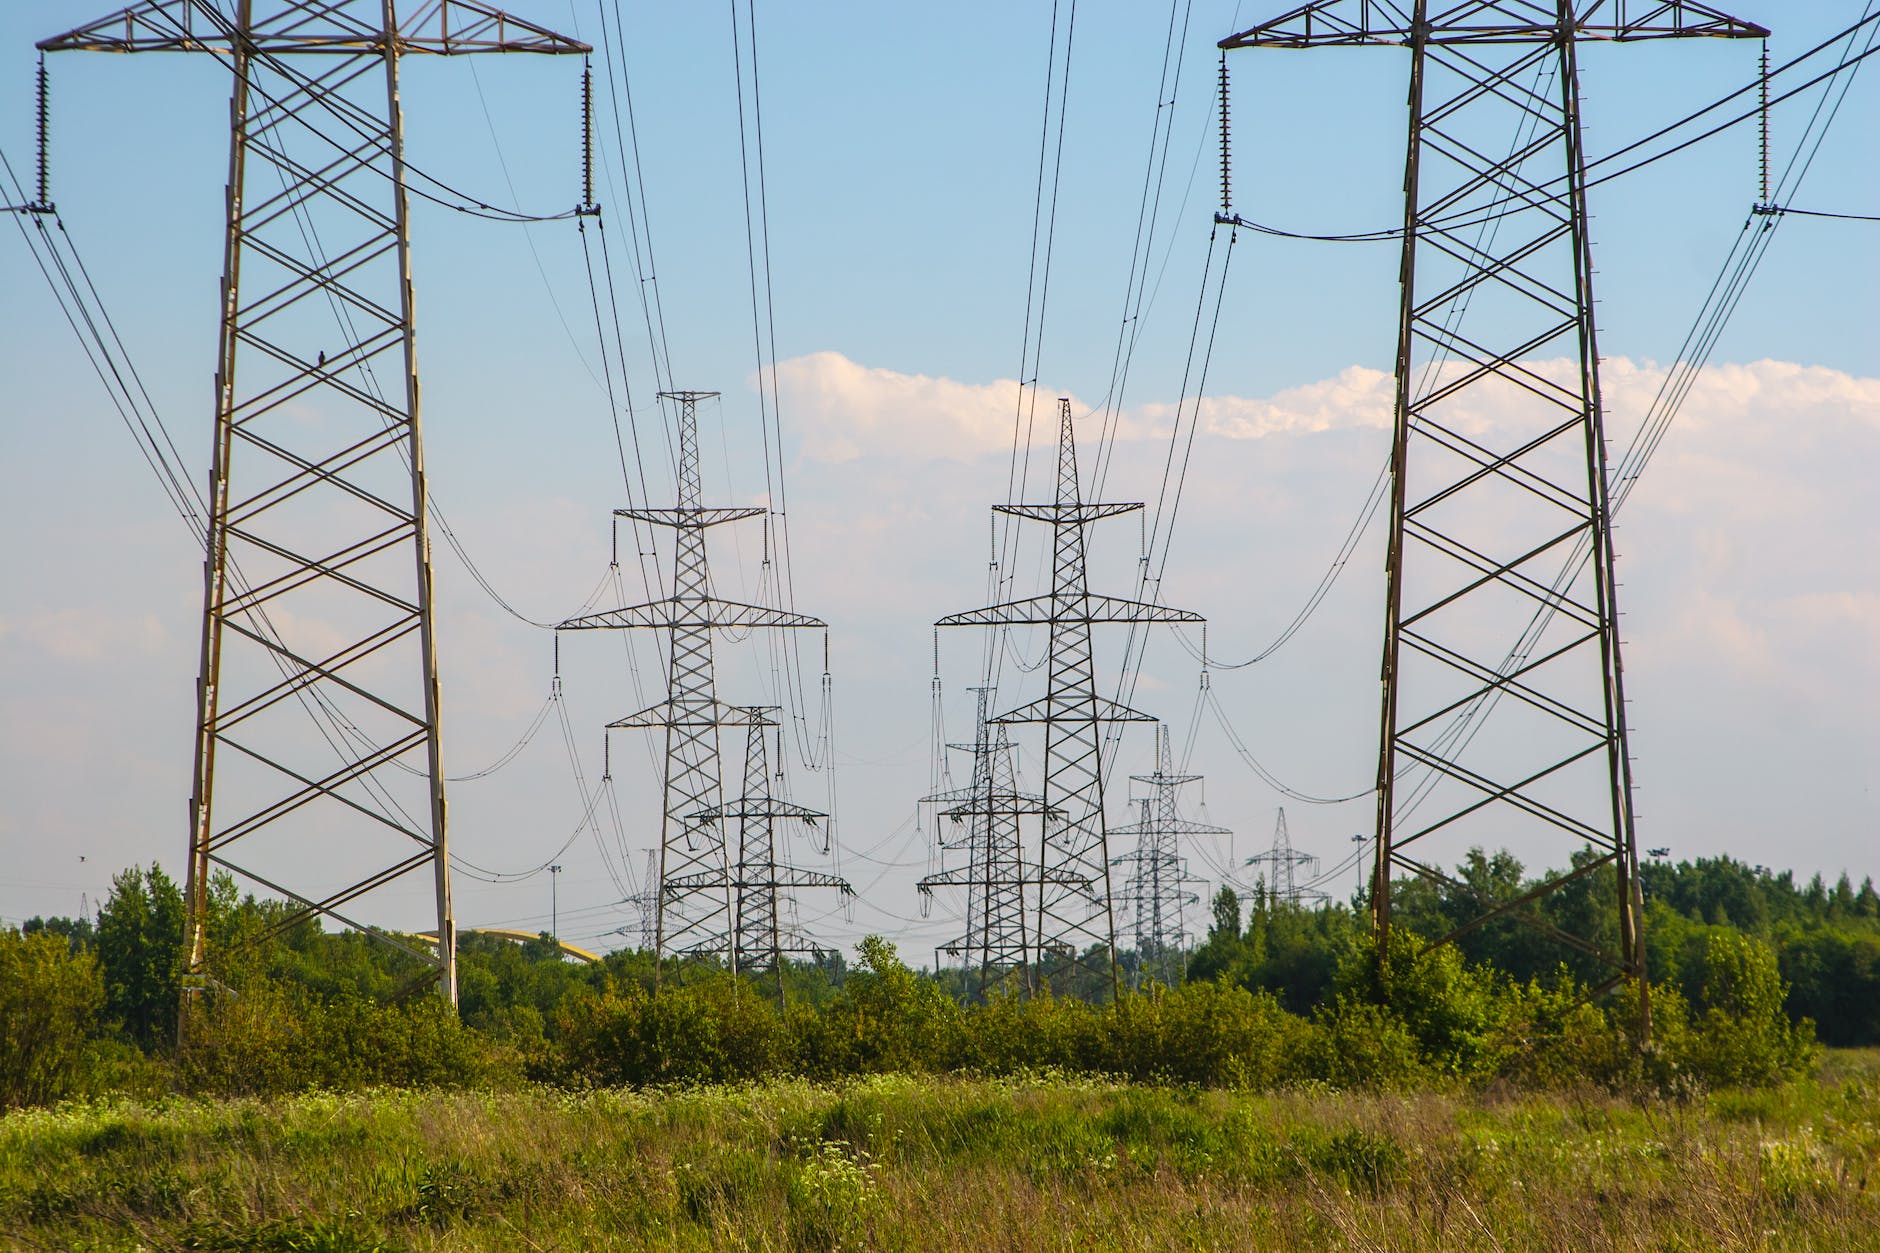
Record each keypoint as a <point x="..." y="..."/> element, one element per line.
<point x="518" y="937"/>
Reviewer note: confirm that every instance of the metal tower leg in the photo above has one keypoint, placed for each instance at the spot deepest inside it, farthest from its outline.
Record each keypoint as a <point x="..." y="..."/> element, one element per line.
<point x="694" y="913"/>
<point x="1074" y="923"/>
<point x="1500" y="596"/>
<point x="318" y="706"/>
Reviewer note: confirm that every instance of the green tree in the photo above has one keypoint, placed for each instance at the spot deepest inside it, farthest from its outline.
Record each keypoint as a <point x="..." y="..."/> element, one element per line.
<point x="140" y="953"/>
<point x="1226" y="915"/>
<point x="49" y="1000"/>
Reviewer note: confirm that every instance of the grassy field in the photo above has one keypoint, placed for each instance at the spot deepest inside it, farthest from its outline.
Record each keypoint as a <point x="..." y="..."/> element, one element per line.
<point x="927" y="1164"/>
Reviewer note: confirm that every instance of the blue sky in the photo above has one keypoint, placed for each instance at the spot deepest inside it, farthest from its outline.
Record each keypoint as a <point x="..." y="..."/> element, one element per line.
<point x="901" y="161"/>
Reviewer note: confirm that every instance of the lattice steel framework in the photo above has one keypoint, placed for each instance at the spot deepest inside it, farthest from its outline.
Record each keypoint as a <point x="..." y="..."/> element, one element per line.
<point x="758" y="880"/>
<point x="1074" y="924"/>
<point x="317" y="581"/>
<point x="1499" y="471"/>
<point x="1279" y="868"/>
<point x="1156" y="892"/>
<point x="995" y="877"/>
<point x="694" y="915"/>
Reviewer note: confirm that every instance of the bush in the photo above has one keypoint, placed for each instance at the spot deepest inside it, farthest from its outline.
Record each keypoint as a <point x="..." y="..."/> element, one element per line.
<point x="717" y="1031"/>
<point x="1202" y="1033"/>
<point x="1456" y="1012"/>
<point x="1011" y="1033"/>
<point x="49" y="1001"/>
<point x="888" y="1018"/>
<point x="264" y="1041"/>
<point x="1356" y="1043"/>
<point x="1742" y="1036"/>
<point x="1553" y="1037"/>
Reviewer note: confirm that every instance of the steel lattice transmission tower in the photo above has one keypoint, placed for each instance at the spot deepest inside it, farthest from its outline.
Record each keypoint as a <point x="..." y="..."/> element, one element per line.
<point x="995" y="876"/>
<point x="318" y="719"/>
<point x="1280" y="867"/>
<point x="694" y="915"/>
<point x="1500" y="594"/>
<point x="1072" y="923"/>
<point x="758" y="879"/>
<point x="1156" y="892"/>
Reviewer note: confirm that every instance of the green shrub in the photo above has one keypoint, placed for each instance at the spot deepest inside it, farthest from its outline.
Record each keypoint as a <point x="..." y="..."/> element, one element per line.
<point x="1742" y="1035"/>
<point x="49" y="1001"/>
<point x="1456" y="1012"/>
<point x="1213" y="1033"/>
<point x="263" y="1041"/>
<point x="1011" y="1033"/>
<point x="719" y="1030"/>
<point x="1356" y="1043"/>
<point x="888" y="1018"/>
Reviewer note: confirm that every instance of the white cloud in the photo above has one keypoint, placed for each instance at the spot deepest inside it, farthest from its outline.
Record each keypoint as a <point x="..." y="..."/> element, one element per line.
<point x="73" y="635"/>
<point x="848" y="410"/>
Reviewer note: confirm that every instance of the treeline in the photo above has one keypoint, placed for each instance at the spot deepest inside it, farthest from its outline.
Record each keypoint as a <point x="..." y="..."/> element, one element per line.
<point x="1745" y="966"/>
<point x="1825" y="939"/>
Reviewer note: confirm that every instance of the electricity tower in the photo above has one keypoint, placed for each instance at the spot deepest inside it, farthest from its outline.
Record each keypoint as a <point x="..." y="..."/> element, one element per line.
<point x="1500" y="591"/>
<point x="694" y="914"/>
<point x="758" y="878"/>
<point x="1156" y="892"/>
<point x="646" y="901"/>
<point x="1074" y="924"/>
<point x="1281" y="865"/>
<point x="318" y="722"/>
<point x="995" y="876"/>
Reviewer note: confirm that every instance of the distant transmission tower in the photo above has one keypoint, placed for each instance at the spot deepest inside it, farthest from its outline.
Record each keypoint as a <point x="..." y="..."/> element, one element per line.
<point x="646" y="900"/>
<point x="694" y="914"/>
<point x="1500" y="593"/>
<point x="1280" y="868"/>
<point x="1074" y="925"/>
<point x="318" y="665"/>
<point x="1156" y="892"/>
<point x="995" y="875"/>
<point x="757" y="878"/>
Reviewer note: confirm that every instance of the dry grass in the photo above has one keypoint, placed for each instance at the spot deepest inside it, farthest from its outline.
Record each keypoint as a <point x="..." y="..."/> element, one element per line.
<point x="926" y="1164"/>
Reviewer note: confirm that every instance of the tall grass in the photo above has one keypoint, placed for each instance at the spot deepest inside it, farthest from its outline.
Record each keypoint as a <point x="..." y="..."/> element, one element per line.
<point x="1036" y="1162"/>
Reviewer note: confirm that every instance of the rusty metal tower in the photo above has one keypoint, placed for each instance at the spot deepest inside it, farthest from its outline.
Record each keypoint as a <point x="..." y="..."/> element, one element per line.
<point x="1499" y="471"/>
<point x="318" y="720"/>
<point x="1156" y="892"/>
<point x="1075" y="925"/>
<point x="695" y="913"/>
<point x="758" y="880"/>
<point x="995" y="877"/>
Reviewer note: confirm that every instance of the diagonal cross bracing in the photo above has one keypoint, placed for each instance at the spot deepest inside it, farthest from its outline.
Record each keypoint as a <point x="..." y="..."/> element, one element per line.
<point x="317" y="451"/>
<point x="1156" y="892"/>
<point x="1500" y="553"/>
<point x="1073" y="920"/>
<point x="696" y="900"/>
<point x="759" y="883"/>
<point x="996" y="877"/>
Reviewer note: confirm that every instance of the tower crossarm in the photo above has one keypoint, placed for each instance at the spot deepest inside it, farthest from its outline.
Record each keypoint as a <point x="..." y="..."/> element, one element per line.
<point x="692" y="611"/>
<point x="758" y="807"/>
<point x="792" y="877"/>
<point x="1391" y="23"/>
<point x="438" y="27"/>
<point x="1169" y="826"/>
<point x="689" y="517"/>
<point x="1073" y="511"/>
<point x="973" y="876"/>
<point x="701" y="879"/>
<point x="691" y="713"/>
<point x="1057" y="708"/>
<point x="1002" y="805"/>
<point x="1080" y="607"/>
